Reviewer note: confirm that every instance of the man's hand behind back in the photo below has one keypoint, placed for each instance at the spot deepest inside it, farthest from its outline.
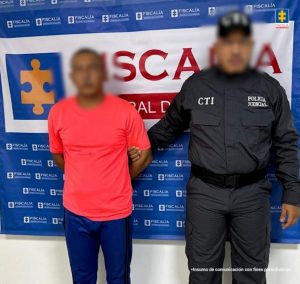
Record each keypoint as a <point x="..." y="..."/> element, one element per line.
<point x="134" y="153"/>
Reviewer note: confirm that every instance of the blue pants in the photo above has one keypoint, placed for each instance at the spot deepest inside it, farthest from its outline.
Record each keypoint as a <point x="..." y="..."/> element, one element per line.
<point x="84" y="238"/>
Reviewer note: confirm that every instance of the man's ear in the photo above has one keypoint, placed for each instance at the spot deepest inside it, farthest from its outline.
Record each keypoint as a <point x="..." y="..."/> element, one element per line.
<point x="215" y="51"/>
<point x="103" y="65"/>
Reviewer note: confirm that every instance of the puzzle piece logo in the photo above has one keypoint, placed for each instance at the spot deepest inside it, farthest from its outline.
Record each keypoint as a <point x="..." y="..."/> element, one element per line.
<point x="37" y="78"/>
<point x="35" y="84"/>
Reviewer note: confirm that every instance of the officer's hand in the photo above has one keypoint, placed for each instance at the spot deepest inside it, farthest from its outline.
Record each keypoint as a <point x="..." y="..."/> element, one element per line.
<point x="289" y="215"/>
<point x="134" y="153"/>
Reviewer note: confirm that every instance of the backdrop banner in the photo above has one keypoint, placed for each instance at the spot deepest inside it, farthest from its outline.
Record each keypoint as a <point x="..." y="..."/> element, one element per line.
<point x="150" y="48"/>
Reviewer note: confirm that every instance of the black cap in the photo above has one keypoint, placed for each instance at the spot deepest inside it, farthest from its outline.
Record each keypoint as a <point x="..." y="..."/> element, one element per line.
<point x="234" y="21"/>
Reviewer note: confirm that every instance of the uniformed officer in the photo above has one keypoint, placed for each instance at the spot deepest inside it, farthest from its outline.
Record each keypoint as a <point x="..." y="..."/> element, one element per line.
<point x="235" y="115"/>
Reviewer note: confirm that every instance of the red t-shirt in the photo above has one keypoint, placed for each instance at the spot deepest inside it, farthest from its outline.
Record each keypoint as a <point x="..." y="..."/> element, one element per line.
<point x="94" y="143"/>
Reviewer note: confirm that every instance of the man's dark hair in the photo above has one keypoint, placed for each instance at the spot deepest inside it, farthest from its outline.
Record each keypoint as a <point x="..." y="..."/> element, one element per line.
<point x="100" y="57"/>
<point x="85" y="50"/>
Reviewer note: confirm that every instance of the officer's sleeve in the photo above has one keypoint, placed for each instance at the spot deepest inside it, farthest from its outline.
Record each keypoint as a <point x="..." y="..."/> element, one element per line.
<point x="285" y="142"/>
<point x="175" y="121"/>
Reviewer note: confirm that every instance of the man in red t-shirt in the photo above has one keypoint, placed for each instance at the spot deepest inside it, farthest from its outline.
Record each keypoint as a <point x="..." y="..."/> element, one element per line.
<point x="89" y="136"/>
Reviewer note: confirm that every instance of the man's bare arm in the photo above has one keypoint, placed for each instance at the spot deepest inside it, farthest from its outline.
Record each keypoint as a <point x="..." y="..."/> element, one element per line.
<point x="59" y="161"/>
<point x="139" y="165"/>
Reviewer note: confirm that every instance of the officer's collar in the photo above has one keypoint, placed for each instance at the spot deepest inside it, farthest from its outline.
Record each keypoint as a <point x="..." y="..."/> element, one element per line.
<point x="222" y="75"/>
<point x="221" y="72"/>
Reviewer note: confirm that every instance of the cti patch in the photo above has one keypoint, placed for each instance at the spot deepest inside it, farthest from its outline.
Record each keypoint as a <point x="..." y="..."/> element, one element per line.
<point x="35" y="84"/>
<point x="282" y="16"/>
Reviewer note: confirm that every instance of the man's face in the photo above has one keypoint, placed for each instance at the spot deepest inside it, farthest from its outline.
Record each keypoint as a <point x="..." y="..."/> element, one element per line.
<point x="88" y="73"/>
<point x="234" y="52"/>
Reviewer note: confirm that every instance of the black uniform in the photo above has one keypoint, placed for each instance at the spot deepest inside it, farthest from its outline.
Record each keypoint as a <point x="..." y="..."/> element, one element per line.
<point x="234" y="121"/>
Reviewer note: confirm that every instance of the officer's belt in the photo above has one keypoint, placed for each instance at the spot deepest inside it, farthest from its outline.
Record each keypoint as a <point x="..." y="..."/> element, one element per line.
<point x="231" y="180"/>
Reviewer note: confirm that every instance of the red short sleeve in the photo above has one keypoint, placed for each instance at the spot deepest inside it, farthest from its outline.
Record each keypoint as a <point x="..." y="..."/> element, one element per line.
<point x="136" y="131"/>
<point x="55" y="142"/>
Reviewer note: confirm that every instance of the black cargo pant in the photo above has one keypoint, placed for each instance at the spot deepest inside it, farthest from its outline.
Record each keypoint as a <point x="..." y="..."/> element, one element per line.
<point x="242" y="215"/>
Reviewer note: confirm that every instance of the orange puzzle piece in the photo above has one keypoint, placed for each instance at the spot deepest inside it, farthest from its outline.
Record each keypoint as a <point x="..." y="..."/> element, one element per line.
<point x="37" y="78"/>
